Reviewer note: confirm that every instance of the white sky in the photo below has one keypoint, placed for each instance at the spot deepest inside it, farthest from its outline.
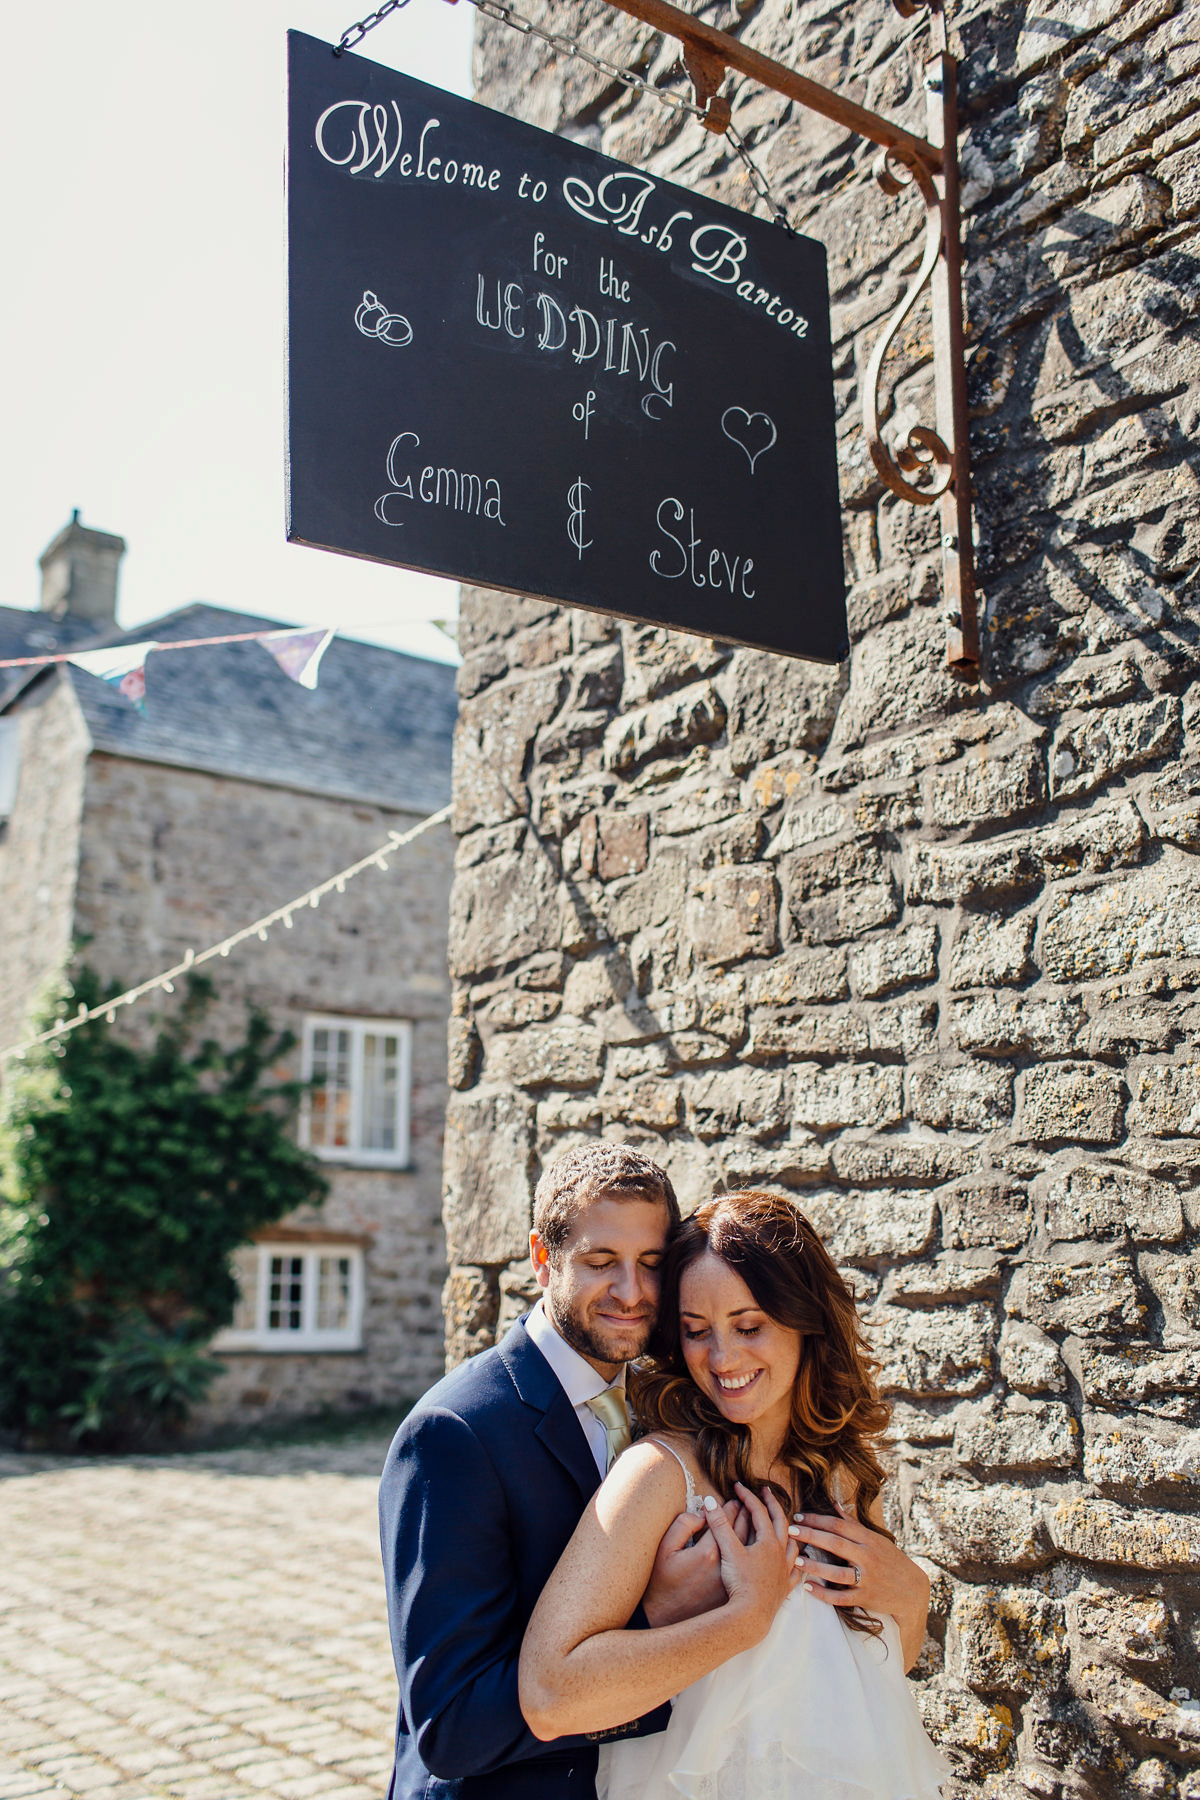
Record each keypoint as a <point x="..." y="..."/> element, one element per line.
<point x="142" y="303"/>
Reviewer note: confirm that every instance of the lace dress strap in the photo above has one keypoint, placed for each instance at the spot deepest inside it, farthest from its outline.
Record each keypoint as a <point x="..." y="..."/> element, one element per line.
<point x="694" y="1503"/>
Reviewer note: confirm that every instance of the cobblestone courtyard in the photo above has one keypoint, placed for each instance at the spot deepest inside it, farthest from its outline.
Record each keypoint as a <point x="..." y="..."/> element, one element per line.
<point x="209" y="1626"/>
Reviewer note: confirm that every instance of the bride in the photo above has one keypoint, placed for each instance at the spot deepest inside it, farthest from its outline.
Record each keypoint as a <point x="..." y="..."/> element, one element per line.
<point x="760" y="1388"/>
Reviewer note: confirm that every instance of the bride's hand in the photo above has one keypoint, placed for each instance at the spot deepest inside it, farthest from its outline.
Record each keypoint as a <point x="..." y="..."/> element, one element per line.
<point x="756" y="1574"/>
<point x="877" y="1575"/>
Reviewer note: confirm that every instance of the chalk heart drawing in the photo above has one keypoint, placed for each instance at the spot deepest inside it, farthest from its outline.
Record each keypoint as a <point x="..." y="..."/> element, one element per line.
<point x="752" y="432"/>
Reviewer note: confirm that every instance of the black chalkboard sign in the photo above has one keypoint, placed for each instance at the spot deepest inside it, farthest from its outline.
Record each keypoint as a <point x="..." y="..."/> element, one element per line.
<point x="515" y="362"/>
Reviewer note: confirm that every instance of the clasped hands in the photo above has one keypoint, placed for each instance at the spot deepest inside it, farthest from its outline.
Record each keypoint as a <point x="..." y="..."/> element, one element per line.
<point x="696" y="1559"/>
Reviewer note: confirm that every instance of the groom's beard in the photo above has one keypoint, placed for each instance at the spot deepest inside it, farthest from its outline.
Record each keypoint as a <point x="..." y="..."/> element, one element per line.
<point x="590" y="1338"/>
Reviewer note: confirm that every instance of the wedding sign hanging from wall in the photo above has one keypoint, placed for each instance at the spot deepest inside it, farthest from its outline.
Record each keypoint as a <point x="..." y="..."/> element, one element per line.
<point x="515" y="362"/>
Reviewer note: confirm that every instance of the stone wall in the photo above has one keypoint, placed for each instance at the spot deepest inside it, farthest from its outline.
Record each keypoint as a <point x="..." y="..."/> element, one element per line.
<point x="921" y="953"/>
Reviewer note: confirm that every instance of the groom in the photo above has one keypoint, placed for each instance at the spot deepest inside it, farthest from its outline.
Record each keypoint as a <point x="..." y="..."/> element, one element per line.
<point x="487" y="1479"/>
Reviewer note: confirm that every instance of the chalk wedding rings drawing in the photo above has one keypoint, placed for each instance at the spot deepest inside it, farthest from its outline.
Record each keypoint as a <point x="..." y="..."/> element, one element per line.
<point x="375" y="321"/>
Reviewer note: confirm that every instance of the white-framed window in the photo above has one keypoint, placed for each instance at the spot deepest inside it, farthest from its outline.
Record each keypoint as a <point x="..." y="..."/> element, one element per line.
<point x="356" y="1110"/>
<point x="296" y="1296"/>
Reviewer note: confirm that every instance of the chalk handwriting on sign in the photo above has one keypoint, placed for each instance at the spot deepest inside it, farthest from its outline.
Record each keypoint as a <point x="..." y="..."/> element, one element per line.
<point x="518" y="363"/>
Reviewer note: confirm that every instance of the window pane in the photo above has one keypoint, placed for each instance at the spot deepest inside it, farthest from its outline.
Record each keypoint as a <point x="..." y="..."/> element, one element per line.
<point x="381" y="1090"/>
<point x="329" y="1104"/>
<point x="286" y="1294"/>
<point x="333" y="1293"/>
<point x="245" y="1273"/>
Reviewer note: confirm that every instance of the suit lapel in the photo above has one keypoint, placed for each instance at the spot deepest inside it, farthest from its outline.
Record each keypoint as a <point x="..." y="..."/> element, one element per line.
<point x="559" y="1428"/>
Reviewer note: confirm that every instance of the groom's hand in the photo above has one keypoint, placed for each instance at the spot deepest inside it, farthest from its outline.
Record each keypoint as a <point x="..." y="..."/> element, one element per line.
<point x="686" y="1578"/>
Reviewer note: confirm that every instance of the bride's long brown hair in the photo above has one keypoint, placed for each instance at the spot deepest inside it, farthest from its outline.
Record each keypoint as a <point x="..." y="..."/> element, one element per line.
<point x="837" y="1415"/>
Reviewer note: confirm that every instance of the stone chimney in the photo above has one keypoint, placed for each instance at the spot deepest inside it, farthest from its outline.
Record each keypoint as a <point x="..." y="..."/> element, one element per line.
<point x="79" y="573"/>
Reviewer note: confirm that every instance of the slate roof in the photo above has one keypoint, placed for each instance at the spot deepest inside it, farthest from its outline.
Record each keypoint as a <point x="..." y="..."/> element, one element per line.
<point x="26" y="633"/>
<point x="376" y="728"/>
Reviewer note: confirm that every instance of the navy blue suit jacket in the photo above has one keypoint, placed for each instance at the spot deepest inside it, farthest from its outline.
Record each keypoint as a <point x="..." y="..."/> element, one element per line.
<point x="484" y="1483"/>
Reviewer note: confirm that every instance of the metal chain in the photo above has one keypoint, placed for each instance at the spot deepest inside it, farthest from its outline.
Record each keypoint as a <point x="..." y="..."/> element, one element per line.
<point x="758" y="180"/>
<point x="507" y="14"/>
<point x="354" y="34"/>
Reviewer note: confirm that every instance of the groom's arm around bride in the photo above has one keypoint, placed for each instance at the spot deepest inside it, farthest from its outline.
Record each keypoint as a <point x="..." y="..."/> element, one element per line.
<point x="488" y="1477"/>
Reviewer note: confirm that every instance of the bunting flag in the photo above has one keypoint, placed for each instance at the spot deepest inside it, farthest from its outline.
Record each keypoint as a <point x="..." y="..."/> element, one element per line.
<point x="299" y="652"/>
<point x="123" y="668"/>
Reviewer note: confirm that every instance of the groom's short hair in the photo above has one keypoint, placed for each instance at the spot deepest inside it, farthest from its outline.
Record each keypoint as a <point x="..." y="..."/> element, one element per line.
<point x="574" y="1180"/>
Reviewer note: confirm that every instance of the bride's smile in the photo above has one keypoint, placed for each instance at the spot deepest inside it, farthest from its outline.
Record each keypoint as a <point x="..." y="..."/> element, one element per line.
<point x="744" y="1360"/>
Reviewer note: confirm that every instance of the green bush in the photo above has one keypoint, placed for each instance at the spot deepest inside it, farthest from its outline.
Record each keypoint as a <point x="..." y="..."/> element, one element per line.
<point x="130" y="1177"/>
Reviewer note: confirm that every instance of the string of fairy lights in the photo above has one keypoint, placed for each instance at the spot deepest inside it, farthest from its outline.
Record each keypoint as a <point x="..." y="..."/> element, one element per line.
<point x="259" y="928"/>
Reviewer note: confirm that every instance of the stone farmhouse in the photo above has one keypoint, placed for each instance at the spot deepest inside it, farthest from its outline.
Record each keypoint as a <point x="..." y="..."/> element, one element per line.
<point x="923" y="953"/>
<point x="140" y="835"/>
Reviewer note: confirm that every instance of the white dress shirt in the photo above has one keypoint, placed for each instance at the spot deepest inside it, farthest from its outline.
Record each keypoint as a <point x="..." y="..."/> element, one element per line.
<point x="577" y="1378"/>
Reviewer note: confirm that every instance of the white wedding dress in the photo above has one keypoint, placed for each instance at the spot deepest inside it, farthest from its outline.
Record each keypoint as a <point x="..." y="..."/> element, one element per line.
<point x="813" y="1712"/>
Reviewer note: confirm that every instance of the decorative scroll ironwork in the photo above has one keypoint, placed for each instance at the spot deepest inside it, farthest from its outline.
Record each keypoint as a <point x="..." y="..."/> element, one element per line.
<point x="922" y="448"/>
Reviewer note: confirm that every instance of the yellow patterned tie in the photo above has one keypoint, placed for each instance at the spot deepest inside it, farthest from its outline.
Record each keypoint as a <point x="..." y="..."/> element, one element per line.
<point x="612" y="1412"/>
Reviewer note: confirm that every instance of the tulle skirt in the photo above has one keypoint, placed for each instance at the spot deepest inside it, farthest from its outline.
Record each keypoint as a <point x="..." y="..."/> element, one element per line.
<point x="813" y="1712"/>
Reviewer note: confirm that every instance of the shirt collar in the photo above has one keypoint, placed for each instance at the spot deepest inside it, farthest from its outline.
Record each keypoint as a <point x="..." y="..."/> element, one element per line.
<point x="576" y="1376"/>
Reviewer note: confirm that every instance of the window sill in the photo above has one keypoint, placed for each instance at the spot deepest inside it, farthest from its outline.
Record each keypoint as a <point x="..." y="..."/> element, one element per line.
<point x="346" y="1159"/>
<point x="272" y="1347"/>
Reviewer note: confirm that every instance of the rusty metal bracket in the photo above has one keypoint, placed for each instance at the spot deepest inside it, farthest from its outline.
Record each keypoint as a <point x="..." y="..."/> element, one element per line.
<point x="931" y="466"/>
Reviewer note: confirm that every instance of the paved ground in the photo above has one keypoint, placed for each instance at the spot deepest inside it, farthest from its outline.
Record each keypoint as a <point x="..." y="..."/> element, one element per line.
<point x="206" y="1627"/>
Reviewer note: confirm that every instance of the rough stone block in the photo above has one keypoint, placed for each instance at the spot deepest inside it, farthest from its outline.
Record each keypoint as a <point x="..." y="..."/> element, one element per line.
<point x="782" y="1165"/>
<point x="595" y="983"/>
<point x="991" y="783"/>
<point x="1152" y="913"/>
<point x="502" y="910"/>
<point x="776" y="705"/>
<point x="947" y="874"/>
<point x="1173" y="806"/>
<point x="898" y="677"/>
<point x="1029" y="1360"/>
<point x="653" y="1103"/>
<point x="965" y="1096"/>
<point x="1006" y="1025"/>
<point x="1133" y="1706"/>
<point x="851" y="1094"/>
<point x="1017" y="1433"/>
<point x="1103" y="1200"/>
<point x="1113" y="839"/>
<point x="1085" y="1298"/>
<point x="1175" y="1284"/>
<point x="657" y="660"/>
<point x="1008" y="1640"/>
<point x="487" y="1165"/>
<point x="470" y="1305"/>
<point x="1124" y="1627"/>
<point x="981" y="1731"/>
<point x="1167" y="1100"/>
<point x="839" y="893"/>
<point x="1163" y="1381"/>
<point x="463" y="1052"/>
<point x="933" y="1353"/>
<point x="1093" y="1530"/>
<point x="621" y="844"/>
<point x="907" y="1160"/>
<point x="1090" y="751"/>
<point x="895" y="961"/>
<point x="732" y="1100"/>
<point x="989" y="1210"/>
<point x="564" y="1054"/>
<point x="826" y="1031"/>
<point x="491" y="746"/>
<point x="514" y="1007"/>
<point x="666" y="727"/>
<point x="732" y="913"/>
<point x="954" y="1276"/>
<point x="865" y="1227"/>
<point x="990" y="950"/>
<point x="819" y="819"/>
<point x="966" y="1526"/>
<point x="800" y="977"/>
<point x="1139" y="1453"/>
<point x="1082" y="1102"/>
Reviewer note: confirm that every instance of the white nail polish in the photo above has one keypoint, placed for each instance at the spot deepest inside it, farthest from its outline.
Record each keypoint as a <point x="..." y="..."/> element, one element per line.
<point x="710" y="1504"/>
